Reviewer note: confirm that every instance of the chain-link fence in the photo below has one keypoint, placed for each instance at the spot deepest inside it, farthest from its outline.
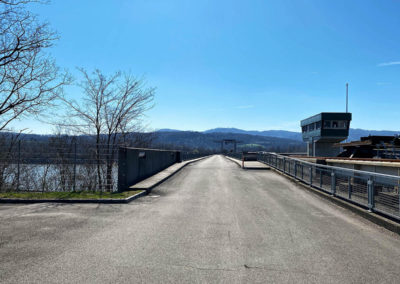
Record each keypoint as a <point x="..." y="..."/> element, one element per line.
<point x="61" y="164"/>
<point x="377" y="192"/>
<point x="57" y="166"/>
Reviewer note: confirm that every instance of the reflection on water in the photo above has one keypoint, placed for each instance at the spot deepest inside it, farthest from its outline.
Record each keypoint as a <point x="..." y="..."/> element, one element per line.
<point x="57" y="177"/>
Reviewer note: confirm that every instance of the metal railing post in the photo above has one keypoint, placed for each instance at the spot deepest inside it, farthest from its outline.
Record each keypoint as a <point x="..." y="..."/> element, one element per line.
<point x="74" y="181"/>
<point x="350" y="188"/>
<point x="284" y="165"/>
<point x="295" y="169"/>
<point x="320" y="178"/>
<point x="371" y="201"/>
<point x="302" y="172"/>
<point x="333" y="183"/>
<point x="311" y="176"/>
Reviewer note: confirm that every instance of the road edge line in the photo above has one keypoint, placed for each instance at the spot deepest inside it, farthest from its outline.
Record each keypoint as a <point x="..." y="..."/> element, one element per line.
<point x="150" y="188"/>
<point x="236" y="161"/>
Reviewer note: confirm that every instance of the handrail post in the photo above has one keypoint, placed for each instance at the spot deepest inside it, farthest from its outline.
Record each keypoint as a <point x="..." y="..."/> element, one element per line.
<point x="333" y="183"/>
<point x="295" y="169"/>
<point x="284" y="165"/>
<point x="320" y="178"/>
<point x="350" y="187"/>
<point x="302" y="172"/>
<point x="371" y="201"/>
<point x="311" y="177"/>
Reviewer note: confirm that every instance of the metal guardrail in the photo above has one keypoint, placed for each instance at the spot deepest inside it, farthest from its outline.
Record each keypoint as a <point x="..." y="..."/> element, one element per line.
<point x="374" y="191"/>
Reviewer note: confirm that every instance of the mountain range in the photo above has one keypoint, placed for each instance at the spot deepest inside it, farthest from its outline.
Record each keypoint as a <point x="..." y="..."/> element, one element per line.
<point x="210" y="140"/>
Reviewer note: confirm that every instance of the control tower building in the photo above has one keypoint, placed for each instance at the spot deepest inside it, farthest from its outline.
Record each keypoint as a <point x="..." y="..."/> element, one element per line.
<point x="323" y="130"/>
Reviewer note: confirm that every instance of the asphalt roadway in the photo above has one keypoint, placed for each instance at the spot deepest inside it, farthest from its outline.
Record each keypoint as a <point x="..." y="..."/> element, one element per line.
<point x="210" y="223"/>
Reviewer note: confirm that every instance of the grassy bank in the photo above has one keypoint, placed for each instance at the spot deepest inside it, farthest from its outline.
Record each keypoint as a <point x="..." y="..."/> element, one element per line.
<point x="69" y="195"/>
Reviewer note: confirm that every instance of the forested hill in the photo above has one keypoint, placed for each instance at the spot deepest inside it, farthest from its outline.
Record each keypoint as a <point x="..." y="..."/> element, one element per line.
<point x="269" y="140"/>
<point x="201" y="140"/>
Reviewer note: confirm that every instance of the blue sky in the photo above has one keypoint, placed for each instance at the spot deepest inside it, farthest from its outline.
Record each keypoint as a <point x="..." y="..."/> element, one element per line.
<point x="254" y="65"/>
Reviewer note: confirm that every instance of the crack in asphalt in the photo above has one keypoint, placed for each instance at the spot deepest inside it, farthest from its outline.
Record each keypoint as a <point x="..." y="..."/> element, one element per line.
<point x="245" y="266"/>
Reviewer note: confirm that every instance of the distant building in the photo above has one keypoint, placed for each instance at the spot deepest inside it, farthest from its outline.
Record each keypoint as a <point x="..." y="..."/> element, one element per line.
<point x="378" y="147"/>
<point x="323" y="130"/>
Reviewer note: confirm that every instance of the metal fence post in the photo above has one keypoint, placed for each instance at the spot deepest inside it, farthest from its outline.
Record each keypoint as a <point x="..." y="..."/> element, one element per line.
<point x="284" y="165"/>
<point x="371" y="201"/>
<point x="19" y="162"/>
<point x="74" y="181"/>
<point x="302" y="172"/>
<point x="122" y="169"/>
<point x="333" y="183"/>
<point x="350" y="187"/>
<point x="311" y="175"/>
<point x="295" y="169"/>
<point x="320" y="178"/>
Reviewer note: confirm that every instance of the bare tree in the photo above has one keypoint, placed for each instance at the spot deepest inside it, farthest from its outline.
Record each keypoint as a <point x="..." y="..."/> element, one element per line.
<point x="29" y="78"/>
<point x="111" y="109"/>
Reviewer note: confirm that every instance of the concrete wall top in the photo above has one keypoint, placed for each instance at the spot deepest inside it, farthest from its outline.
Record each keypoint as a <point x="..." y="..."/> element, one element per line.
<point x="148" y="149"/>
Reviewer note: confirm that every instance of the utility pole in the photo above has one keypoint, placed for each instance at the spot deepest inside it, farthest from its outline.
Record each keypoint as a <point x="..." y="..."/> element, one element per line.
<point x="347" y="105"/>
<point x="347" y="97"/>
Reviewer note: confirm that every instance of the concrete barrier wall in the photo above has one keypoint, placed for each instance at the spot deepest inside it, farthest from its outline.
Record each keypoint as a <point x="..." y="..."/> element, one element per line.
<point x="378" y="166"/>
<point x="135" y="164"/>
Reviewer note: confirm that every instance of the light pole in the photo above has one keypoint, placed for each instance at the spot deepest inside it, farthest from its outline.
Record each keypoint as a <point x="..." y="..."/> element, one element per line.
<point x="347" y="97"/>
